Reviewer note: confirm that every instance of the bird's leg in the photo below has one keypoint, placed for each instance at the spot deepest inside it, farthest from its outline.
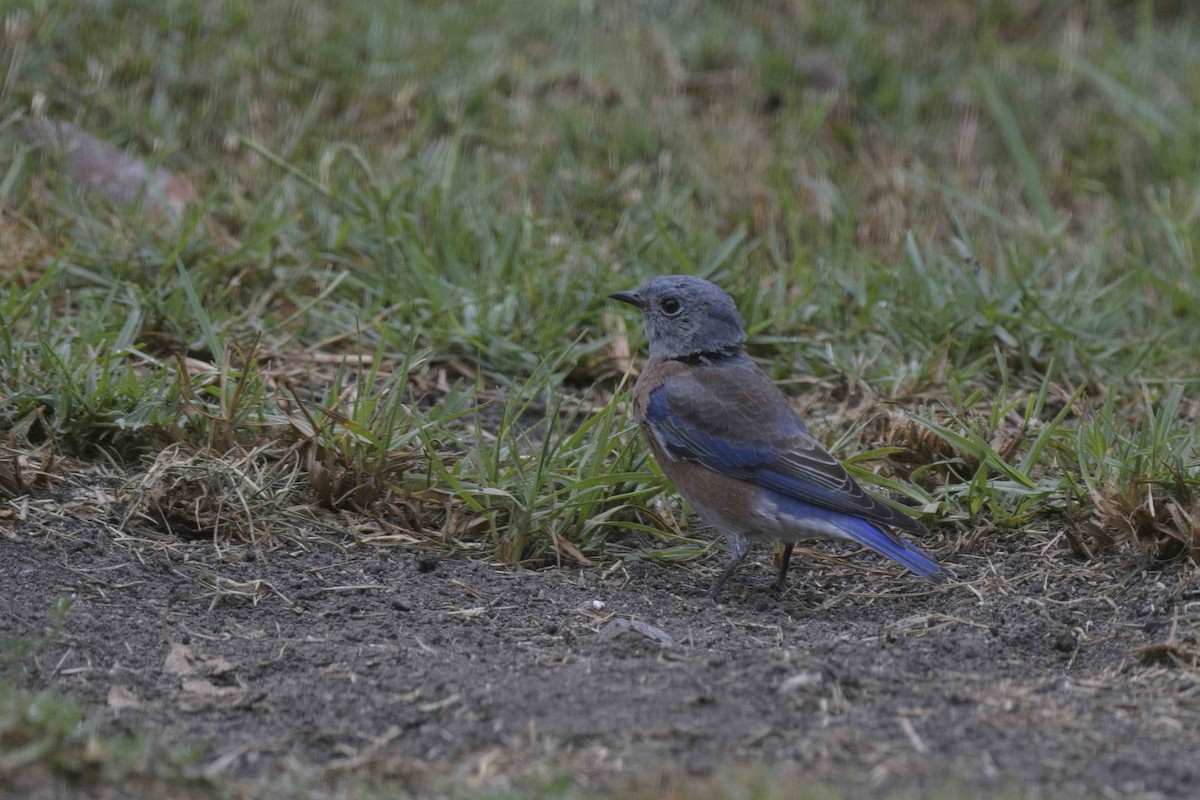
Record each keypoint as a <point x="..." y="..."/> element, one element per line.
<point x="784" y="560"/>
<point x="739" y="546"/>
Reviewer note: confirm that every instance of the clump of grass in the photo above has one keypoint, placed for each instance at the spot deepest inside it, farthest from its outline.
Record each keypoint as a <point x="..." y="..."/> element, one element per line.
<point x="241" y="495"/>
<point x="362" y="440"/>
<point x="78" y="376"/>
<point x="25" y="467"/>
<point x="551" y="475"/>
<point x="1142" y="479"/>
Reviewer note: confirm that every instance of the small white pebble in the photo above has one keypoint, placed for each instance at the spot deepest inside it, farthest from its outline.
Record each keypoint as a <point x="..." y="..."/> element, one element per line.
<point x="598" y="605"/>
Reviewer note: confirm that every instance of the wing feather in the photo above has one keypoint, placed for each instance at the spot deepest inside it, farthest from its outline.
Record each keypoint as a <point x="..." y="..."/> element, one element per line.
<point x="735" y="421"/>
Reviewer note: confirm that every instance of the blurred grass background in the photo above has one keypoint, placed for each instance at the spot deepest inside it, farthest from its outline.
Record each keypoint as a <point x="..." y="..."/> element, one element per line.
<point x="984" y="211"/>
<point x="981" y="213"/>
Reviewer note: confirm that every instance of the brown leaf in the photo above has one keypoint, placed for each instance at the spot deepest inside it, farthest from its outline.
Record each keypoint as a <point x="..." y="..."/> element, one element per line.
<point x="205" y="688"/>
<point x="574" y="552"/>
<point x="216" y="665"/>
<point x="179" y="660"/>
<point x="619" y="626"/>
<point x="120" y="697"/>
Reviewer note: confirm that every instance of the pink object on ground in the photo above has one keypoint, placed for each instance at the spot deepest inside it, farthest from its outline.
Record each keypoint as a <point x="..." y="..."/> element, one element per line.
<point x="93" y="165"/>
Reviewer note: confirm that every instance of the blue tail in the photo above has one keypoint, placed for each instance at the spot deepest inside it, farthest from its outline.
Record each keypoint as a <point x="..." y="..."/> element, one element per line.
<point x="895" y="548"/>
<point x="866" y="534"/>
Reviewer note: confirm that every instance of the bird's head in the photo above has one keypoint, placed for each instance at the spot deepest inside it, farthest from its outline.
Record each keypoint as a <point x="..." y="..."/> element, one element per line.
<point x="686" y="316"/>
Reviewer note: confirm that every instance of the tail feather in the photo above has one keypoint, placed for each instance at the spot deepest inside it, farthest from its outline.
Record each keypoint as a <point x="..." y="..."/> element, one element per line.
<point x="895" y="548"/>
<point x="810" y="518"/>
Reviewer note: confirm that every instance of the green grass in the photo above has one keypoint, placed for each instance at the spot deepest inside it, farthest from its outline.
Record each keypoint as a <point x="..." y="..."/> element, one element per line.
<point x="47" y="739"/>
<point x="973" y="265"/>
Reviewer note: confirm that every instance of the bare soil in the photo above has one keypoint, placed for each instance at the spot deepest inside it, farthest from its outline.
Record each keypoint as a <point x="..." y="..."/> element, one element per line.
<point x="1033" y="668"/>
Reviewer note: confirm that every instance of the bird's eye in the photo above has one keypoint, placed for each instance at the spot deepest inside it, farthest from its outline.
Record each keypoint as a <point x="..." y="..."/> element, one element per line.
<point x="670" y="306"/>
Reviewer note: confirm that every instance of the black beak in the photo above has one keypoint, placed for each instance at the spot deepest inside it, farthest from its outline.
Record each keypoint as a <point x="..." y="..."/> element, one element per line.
<point x="633" y="298"/>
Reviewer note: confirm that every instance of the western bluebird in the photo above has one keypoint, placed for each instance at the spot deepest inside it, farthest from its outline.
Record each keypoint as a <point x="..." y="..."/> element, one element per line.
<point x="728" y="439"/>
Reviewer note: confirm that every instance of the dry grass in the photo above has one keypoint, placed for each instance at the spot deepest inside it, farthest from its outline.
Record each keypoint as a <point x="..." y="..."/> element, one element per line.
<point x="239" y="495"/>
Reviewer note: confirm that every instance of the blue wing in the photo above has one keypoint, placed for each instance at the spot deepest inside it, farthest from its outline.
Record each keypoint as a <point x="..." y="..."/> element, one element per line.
<point x="736" y="422"/>
<point x="739" y="424"/>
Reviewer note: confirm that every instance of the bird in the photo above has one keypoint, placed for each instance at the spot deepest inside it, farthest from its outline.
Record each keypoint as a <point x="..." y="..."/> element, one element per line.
<point x="730" y="442"/>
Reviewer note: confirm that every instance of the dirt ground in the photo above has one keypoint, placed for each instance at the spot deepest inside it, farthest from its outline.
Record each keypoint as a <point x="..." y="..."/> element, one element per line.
<point x="331" y="659"/>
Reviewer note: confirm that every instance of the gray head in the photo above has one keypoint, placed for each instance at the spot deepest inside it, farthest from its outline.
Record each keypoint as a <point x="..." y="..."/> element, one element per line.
<point x="686" y="316"/>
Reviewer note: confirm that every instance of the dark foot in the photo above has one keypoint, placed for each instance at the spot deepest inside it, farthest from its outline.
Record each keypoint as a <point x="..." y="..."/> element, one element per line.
<point x="738" y="548"/>
<point x="784" y="560"/>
